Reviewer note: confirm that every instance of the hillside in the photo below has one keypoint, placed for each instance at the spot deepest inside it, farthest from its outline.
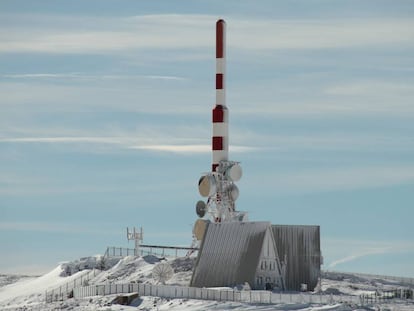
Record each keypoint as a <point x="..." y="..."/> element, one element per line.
<point x="28" y="293"/>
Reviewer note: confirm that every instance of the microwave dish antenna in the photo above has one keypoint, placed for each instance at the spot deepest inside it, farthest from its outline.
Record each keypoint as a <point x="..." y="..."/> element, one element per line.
<point x="162" y="272"/>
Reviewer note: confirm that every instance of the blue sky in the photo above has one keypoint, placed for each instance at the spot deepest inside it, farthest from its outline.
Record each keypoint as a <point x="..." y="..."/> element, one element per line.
<point x="106" y="122"/>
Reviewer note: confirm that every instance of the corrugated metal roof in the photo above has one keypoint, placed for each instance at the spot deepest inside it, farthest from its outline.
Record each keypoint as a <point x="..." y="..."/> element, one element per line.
<point x="301" y="245"/>
<point x="229" y="254"/>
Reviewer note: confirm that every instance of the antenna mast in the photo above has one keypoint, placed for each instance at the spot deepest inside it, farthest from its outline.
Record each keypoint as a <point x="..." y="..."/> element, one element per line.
<point x="137" y="237"/>
<point x="218" y="186"/>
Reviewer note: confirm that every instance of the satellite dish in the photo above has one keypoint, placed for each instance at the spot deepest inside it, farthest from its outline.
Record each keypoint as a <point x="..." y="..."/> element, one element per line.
<point x="162" y="272"/>
<point x="207" y="185"/>
<point x="201" y="209"/>
<point x="199" y="229"/>
<point x="233" y="192"/>
<point x="234" y="172"/>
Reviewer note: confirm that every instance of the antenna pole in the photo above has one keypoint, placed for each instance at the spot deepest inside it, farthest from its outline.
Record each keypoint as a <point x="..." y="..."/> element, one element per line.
<point x="137" y="237"/>
<point x="219" y="185"/>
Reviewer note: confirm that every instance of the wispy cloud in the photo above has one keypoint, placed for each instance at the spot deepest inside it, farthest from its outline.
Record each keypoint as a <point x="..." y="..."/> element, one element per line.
<point x="126" y="142"/>
<point x="343" y="251"/>
<point x="85" y="95"/>
<point x="193" y="138"/>
<point x="193" y="31"/>
<point x="359" y="255"/>
<point x="115" y="35"/>
<point x="83" y="76"/>
<point x="336" y="179"/>
<point x="189" y="149"/>
<point x="100" y="140"/>
<point x="371" y="87"/>
<point x="311" y="34"/>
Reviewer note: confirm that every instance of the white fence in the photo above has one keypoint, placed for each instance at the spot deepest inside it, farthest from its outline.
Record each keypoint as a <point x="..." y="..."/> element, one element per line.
<point x="166" y="291"/>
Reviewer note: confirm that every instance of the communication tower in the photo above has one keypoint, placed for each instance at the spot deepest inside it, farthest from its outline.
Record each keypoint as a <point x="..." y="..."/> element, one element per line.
<point x="218" y="186"/>
<point x="137" y="237"/>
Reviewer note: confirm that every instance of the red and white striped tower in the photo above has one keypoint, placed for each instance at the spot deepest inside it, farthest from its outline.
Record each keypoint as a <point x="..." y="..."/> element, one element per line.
<point x="219" y="185"/>
<point x="220" y="140"/>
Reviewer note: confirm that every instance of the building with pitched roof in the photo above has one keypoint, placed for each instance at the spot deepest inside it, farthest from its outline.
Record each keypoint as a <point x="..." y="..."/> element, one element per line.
<point x="284" y="257"/>
<point x="234" y="253"/>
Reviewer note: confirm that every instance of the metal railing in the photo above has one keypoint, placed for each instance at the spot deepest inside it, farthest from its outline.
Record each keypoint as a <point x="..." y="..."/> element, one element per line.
<point x="156" y="250"/>
<point x="402" y="280"/>
<point x="65" y="290"/>
<point x="112" y="251"/>
<point x="386" y="296"/>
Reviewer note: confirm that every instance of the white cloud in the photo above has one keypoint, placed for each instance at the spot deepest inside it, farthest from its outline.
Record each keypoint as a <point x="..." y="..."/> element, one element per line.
<point x="335" y="179"/>
<point x="194" y="139"/>
<point x="371" y="87"/>
<point x="195" y="31"/>
<point x="86" y="95"/>
<point x="358" y="255"/>
<point x="175" y="148"/>
<point x="99" y="140"/>
<point x="116" y="34"/>
<point x="189" y="149"/>
<point x="126" y="142"/>
<point x="82" y="76"/>
<point x="338" y="252"/>
<point x="311" y="34"/>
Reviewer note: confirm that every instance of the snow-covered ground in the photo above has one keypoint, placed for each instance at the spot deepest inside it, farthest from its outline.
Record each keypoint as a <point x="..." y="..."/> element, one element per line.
<point x="27" y="293"/>
<point x="6" y="279"/>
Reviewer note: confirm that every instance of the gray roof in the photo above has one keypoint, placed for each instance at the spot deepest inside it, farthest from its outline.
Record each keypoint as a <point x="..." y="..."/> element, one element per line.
<point x="229" y="254"/>
<point x="301" y="245"/>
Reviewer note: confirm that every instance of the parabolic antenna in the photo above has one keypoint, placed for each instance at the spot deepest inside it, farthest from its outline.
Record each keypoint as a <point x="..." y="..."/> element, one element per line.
<point x="234" y="172"/>
<point x="201" y="208"/>
<point x="207" y="185"/>
<point x="199" y="229"/>
<point x="233" y="192"/>
<point x="162" y="272"/>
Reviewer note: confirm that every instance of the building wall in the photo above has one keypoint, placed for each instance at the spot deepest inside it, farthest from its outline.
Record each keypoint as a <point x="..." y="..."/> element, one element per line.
<point x="300" y="245"/>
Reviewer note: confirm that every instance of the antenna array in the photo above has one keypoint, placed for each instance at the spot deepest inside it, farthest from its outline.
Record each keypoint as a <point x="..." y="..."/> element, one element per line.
<point x="137" y="237"/>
